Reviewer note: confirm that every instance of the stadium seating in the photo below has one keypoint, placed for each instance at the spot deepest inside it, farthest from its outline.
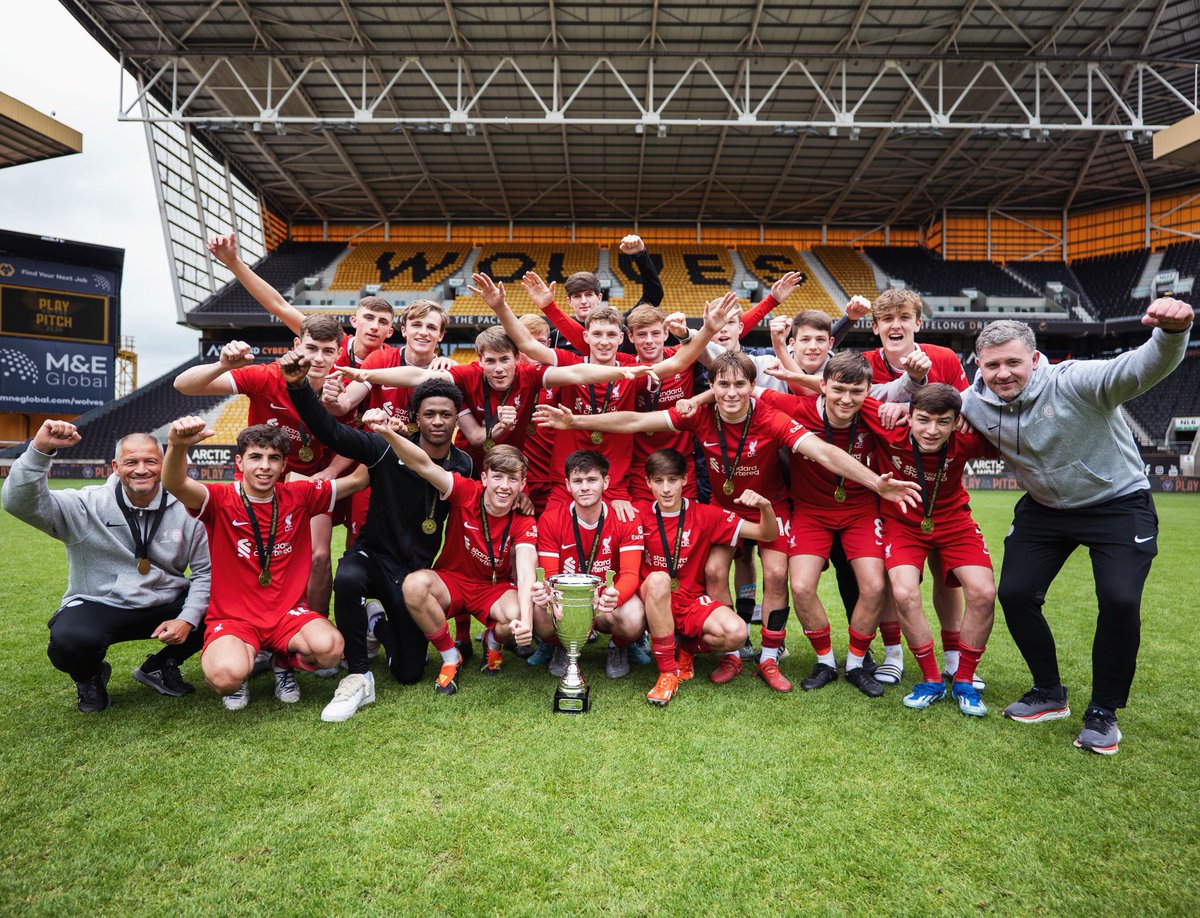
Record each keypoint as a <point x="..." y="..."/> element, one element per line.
<point x="847" y="267"/>
<point x="1176" y="396"/>
<point x="231" y="420"/>
<point x="1109" y="281"/>
<point x="691" y="276"/>
<point x="1183" y="257"/>
<point x="508" y="262"/>
<point x="464" y="355"/>
<point x="282" y="269"/>
<point x="411" y="266"/>
<point x="930" y="275"/>
<point x="769" y="262"/>
<point x="1041" y="273"/>
<point x="144" y="409"/>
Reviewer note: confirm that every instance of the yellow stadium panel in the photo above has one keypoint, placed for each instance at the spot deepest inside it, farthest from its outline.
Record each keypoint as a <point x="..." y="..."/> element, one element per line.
<point x="691" y="275"/>
<point x="770" y="262"/>
<point x="847" y="267"/>
<point x="464" y="355"/>
<point x="232" y="419"/>
<point x="399" y="266"/>
<point x="508" y="262"/>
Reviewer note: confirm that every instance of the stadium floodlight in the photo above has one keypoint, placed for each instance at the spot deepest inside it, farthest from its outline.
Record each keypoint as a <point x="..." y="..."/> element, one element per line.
<point x="639" y="128"/>
<point x="447" y="127"/>
<point x="470" y="128"/>
<point x="662" y="130"/>
<point x="855" y="133"/>
<point x="1127" y="136"/>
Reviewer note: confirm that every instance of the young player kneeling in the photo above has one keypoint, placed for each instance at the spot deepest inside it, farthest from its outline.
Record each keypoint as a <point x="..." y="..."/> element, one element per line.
<point x="933" y="455"/>
<point x="679" y="533"/>
<point x="486" y="567"/>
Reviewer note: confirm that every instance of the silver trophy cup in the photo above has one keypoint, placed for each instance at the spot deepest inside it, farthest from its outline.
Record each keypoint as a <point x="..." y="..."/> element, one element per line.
<point x="572" y="595"/>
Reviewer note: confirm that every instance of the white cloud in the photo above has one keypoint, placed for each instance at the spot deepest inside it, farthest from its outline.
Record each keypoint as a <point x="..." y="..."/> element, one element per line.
<point x="104" y="195"/>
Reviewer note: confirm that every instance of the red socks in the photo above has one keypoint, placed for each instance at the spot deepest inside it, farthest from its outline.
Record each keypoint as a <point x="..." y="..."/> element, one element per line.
<point x="664" y="653"/>
<point x="890" y="632"/>
<point x="773" y="639"/>
<point x="441" y="639"/>
<point x="968" y="659"/>
<point x="927" y="660"/>
<point x="860" y="643"/>
<point x="950" y="640"/>
<point x="820" y="640"/>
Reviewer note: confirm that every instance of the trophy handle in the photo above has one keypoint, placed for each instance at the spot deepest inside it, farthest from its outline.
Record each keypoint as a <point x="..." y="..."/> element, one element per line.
<point x="609" y="577"/>
<point x="540" y="575"/>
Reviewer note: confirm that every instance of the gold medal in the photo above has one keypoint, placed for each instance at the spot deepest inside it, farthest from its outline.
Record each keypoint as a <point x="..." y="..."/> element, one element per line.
<point x="927" y="525"/>
<point x="728" y="486"/>
<point x="411" y="428"/>
<point x="143" y="566"/>
<point x="493" y="577"/>
<point x="839" y="494"/>
<point x="674" y="584"/>
<point x="532" y="429"/>
<point x="488" y="445"/>
<point x="428" y="526"/>
<point x="305" y="454"/>
<point x="264" y="579"/>
<point x="597" y="437"/>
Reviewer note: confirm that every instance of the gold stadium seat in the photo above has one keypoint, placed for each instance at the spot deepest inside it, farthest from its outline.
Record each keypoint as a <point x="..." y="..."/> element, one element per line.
<point x="394" y="266"/>
<point x="507" y="262"/>
<point x="232" y="420"/>
<point x="770" y="262"/>
<point x="849" y="270"/>
<point x="691" y="276"/>
<point x="464" y="355"/>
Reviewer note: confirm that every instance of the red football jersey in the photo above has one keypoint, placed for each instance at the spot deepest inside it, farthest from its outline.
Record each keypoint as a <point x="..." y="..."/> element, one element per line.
<point x="896" y="456"/>
<point x="539" y="442"/>
<point x="236" y="592"/>
<point x="392" y="399"/>
<point x="704" y="526"/>
<point x="944" y="368"/>
<point x="673" y="389"/>
<point x="617" y="448"/>
<point x="264" y="385"/>
<point x="620" y="546"/>
<point x="522" y="395"/>
<point x="464" y="551"/>
<point x="759" y="468"/>
<point x="813" y="485"/>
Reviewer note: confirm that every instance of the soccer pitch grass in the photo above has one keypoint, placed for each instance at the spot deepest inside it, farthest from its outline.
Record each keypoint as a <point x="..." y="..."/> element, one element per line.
<point x="732" y="800"/>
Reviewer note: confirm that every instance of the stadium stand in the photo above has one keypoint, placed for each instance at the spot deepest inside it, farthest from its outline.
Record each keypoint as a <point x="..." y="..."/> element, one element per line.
<point x="231" y="420"/>
<point x="144" y="409"/>
<point x="1041" y="273"/>
<point x="507" y="263"/>
<point x="1109" y="280"/>
<point x="412" y="266"/>
<point x="847" y="267"/>
<point x="930" y="275"/>
<point x="464" y="355"/>
<point x="282" y="269"/>
<point x="1183" y="257"/>
<point x="1176" y="396"/>
<point x="768" y="263"/>
<point x="691" y="275"/>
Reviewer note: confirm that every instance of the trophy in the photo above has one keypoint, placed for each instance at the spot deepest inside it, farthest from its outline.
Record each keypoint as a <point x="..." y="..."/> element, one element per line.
<point x="572" y="597"/>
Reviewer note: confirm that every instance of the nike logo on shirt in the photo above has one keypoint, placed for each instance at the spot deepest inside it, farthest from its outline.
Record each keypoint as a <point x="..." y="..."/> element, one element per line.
<point x="1139" y="541"/>
<point x="241" y="522"/>
<point x="277" y="407"/>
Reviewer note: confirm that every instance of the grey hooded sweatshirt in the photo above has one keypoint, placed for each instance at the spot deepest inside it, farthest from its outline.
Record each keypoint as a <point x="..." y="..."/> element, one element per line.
<point x="1063" y="436"/>
<point x="100" y="547"/>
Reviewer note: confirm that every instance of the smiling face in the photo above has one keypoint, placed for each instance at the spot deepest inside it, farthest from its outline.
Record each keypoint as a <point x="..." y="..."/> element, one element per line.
<point x="138" y="466"/>
<point x="501" y="489"/>
<point x="603" y="339"/>
<point x="1007" y="367"/>
<point x="436" y="419"/>
<point x="931" y="430"/>
<point x="667" y="490"/>
<point x="422" y="333"/>
<point x="730" y="335"/>
<point x="843" y="400"/>
<point x="320" y="356"/>
<point x="498" y="368"/>
<point x="261" y="467"/>
<point x="810" y="346"/>
<point x="732" y="391"/>
<point x="897" y="331"/>
<point x="581" y="303"/>
<point x="648" y="341"/>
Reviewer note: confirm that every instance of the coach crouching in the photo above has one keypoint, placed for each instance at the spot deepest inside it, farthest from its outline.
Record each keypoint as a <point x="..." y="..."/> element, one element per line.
<point x="128" y="543"/>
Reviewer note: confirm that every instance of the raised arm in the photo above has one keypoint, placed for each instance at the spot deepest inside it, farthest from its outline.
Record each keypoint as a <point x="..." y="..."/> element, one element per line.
<point x="568" y="326"/>
<point x="586" y="374"/>
<point x="493" y="295"/>
<point x="716" y="314"/>
<point x="652" y="288"/>
<point x="407" y="376"/>
<point x="215" y="378"/>
<point x="359" y="445"/>
<point x="185" y="432"/>
<point x="780" y="326"/>
<point x="225" y="250"/>
<point x="27" y="494"/>
<point x="410" y="454"/>
<point x="561" y="418"/>
<point x="767" y="528"/>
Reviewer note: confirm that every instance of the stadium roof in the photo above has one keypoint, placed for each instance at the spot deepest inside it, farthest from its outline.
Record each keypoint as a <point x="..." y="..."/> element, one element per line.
<point x="28" y="136"/>
<point x="843" y="111"/>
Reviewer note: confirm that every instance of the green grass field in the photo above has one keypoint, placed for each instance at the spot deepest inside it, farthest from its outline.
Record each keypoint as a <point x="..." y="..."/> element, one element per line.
<point x="733" y="800"/>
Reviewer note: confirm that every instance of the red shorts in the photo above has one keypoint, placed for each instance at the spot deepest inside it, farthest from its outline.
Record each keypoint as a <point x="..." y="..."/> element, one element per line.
<point x="691" y="612"/>
<point x="273" y="636"/>
<point x="472" y="596"/>
<point x="861" y="534"/>
<point x="956" y="543"/>
<point x="783" y="513"/>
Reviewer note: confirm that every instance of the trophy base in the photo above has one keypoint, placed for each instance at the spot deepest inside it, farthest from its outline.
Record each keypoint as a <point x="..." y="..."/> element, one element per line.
<point x="578" y="701"/>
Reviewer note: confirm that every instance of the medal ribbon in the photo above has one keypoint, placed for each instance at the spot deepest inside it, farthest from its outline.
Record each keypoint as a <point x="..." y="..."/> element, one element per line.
<point x="490" y="418"/>
<point x="928" y="498"/>
<point x="495" y="557"/>
<point x="841" y="479"/>
<point x="672" y="560"/>
<point x="264" y="554"/>
<point x="430" y="489"/>
<point x="591" y="558"/>
<point x="142" y="537"/>
<point x="591" y="391"/>
<point x="730" y="469"/>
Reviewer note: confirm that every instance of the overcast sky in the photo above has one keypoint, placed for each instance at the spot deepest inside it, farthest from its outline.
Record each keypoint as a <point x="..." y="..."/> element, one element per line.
<point x="104" y="195"/>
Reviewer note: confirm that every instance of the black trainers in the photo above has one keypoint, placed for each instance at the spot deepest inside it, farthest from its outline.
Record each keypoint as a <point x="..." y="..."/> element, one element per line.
<point x="869" y="664"/>
<point x="821" y="675"/>
<point x="864" y="682"/>
<point x="93" y="692"/>
<point x="165" y="679"/>
<point x="1039" y="704"/>
<point x="1100" y="733"/>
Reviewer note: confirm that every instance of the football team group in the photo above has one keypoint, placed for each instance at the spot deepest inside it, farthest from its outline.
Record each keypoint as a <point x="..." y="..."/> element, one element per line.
<point x="584" y="441"/>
